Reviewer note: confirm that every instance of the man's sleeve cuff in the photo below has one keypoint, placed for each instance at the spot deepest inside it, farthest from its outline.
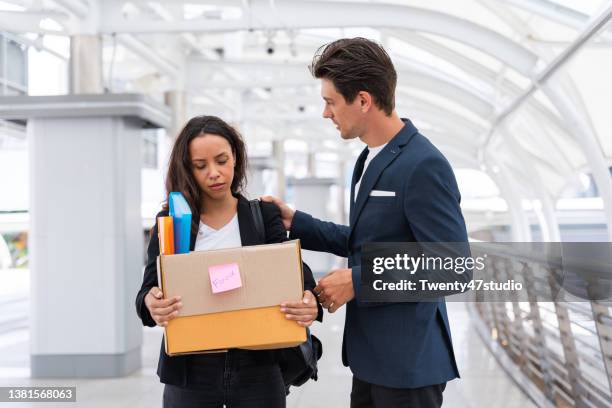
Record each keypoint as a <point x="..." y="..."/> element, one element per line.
<point x="299" y="223"/>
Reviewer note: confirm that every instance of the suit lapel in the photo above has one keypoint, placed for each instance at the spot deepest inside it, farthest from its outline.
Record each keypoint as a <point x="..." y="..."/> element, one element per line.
<point x="375" y="169"/>
<point x="370" y="177"/>
<point x="356" y="170"/>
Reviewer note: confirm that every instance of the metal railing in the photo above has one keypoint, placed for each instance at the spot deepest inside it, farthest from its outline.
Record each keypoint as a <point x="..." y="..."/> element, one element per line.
<point x="559" y="352"/>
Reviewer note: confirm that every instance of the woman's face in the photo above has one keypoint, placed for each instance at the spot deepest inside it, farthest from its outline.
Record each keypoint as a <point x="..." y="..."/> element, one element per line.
<point x="212" y="163"/>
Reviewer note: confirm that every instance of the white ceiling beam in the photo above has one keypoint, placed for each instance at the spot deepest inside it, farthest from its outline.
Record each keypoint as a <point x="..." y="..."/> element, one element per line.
<point x="20" y="22"/>
<point x="218" y="100"/>
<point x="36" y="43"/>
<point x="476" y="69"/>
<point x="219" y="3"/>
<point x="469" y="66"/>
<point x="81" y="12"/>
<point x="161" y="10"/>
<point x="250" y="83"/>
<point x="542" y="76"/>
<point x="558" y="13"/>
<point x="454" y="129"/>
<point x="283" y="74"/>
<point x="409" y="104"/>
<point x="149" y="55"/>
<point x="545" y="125"/>
<point x="293" y="14"/>
<point x="416" y="76"/>
<point x="75" y="7"/>
<point x="20" y="3"/>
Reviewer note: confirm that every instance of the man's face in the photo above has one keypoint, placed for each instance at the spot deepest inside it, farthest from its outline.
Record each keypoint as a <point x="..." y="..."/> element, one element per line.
<point x="347" y="117"/>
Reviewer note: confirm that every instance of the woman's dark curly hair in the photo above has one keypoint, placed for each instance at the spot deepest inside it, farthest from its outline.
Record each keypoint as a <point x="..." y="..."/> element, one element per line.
<point x="180" y="169"/>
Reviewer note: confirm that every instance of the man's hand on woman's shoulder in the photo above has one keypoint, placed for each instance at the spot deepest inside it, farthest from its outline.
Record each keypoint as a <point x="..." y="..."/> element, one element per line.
<point x="287" y="212"/>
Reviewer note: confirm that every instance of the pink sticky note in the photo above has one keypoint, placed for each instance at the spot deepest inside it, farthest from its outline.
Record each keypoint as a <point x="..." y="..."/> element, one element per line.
<point x="224" y="277"/>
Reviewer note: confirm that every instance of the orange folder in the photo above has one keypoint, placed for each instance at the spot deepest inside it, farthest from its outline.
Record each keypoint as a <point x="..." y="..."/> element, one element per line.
<point x="165" y="228"/>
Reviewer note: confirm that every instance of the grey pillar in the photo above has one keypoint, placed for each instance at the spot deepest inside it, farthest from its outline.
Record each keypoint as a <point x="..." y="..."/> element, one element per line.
<point x="311" y="195"/>
<point x="86" y="64"/>
<point x="311" y="164"/>
<point x="177" y="101"/>
<point x="85" y="234"/>
<point x="278" y="150"/>
<point x="256" y="184"/>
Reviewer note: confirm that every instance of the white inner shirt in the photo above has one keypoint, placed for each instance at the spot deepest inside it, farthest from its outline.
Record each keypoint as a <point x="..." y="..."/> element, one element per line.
<point x="371" y="155"/>
<point x="227" y="236"/>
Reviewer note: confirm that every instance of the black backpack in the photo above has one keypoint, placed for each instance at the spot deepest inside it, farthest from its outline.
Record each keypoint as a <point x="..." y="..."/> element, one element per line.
<point x="298" y="364"/>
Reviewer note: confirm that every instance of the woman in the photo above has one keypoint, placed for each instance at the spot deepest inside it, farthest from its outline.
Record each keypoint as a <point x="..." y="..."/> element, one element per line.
<point x="208" y="166"/>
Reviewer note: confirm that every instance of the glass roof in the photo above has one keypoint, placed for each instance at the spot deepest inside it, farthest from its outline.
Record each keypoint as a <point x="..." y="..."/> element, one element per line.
<point x="461" y="67"/>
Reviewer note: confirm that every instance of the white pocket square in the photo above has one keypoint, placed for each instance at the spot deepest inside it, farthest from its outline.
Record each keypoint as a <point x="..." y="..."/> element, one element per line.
<point x="380" y="193"/>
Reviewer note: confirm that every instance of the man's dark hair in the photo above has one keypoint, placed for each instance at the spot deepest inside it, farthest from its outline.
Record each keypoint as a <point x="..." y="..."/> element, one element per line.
<point x="358" y="64"/>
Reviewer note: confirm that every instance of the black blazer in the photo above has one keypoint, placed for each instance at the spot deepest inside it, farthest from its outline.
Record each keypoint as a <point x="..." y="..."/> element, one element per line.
<point x="173" y="370"/>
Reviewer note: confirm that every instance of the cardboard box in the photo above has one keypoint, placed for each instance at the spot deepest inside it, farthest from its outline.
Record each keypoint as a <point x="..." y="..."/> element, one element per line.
<point x="245" y="317"/>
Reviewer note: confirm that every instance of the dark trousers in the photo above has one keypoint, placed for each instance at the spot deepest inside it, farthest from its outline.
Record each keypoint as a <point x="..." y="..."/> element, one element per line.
<point x="236" y="379"/>
<point x="366" y="395"/>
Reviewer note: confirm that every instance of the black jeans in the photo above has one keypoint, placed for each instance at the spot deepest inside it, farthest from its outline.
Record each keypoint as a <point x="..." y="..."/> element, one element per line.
<point x="366" y="395"/>
<point x="236" y="379"/>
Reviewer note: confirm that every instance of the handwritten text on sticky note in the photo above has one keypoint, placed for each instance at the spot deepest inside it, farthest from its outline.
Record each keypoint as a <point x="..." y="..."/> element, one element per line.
<point x="224" y="277"/>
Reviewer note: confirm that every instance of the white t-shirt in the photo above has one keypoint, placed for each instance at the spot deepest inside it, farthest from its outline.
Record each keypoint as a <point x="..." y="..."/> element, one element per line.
<point x="227" y="236"/>
<point x="371" y="155"/>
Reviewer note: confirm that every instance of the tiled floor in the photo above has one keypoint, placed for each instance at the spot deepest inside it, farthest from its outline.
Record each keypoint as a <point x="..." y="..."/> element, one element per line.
<point x="483" y="382"/>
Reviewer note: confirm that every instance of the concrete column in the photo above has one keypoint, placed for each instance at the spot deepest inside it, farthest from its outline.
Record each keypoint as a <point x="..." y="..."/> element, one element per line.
<point x="311" y="164"/>
<point x="256" y="186"/>
<point x="85" y="234"/>
<point x="311" y="195"/>
<point x="278" y="151"/>
<point x="86" y="64"/>
<point x="177" y="101"/>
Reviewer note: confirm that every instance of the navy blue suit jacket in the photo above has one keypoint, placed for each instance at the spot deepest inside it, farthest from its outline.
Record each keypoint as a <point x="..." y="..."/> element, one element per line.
<point x="400" y="345"/>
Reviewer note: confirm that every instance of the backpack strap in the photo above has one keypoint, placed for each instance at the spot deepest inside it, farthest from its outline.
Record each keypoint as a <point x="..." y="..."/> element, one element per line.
<point x="258" y="220"/>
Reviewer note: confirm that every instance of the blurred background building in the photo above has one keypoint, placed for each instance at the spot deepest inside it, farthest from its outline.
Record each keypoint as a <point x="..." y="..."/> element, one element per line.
<point x="516" y="93"/>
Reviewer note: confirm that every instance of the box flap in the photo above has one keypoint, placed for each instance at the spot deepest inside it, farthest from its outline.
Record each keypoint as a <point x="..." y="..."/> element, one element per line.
<point x="270" y="274"/>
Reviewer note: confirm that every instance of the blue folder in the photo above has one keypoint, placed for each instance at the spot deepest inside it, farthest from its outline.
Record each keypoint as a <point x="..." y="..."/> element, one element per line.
<point x="181" y="215"/>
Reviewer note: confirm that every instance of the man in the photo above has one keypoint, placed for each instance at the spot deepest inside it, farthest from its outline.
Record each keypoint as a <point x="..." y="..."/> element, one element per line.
<point x="403" y="190"/>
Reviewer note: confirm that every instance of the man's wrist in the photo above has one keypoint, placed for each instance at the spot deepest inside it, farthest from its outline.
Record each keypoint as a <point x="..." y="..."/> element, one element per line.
<point x="291" y="228"/>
